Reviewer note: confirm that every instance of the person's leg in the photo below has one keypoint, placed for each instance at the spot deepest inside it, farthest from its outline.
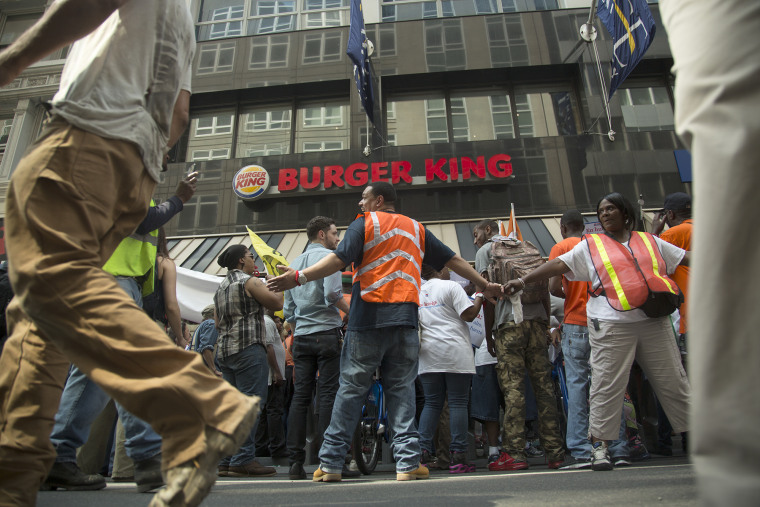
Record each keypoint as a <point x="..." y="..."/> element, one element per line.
<point x="539" y="370"/>
<point x="576" y="351"/>
<point x="399" y="369"/>
<point x="251" y="372"/>
<point x="715" y="47"/>
<point x="56" y="249"/>
<point x="458" y="389"/>
<point x="276" y="429"/>
<point x="81" y="402"/>
<point x="261" y="439"/>
<point x="511" y="342"/>
<point x="361" y="355"/>
<point x="305" y="371"/>
<point x="657" y="354"/>
<point x="442" y="438"/>
<point x="434" y="385"/>
<point x="328" y="360"/>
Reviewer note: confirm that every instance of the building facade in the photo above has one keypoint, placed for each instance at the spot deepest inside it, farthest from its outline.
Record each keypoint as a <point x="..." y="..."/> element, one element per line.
<point x="479" y="104"/>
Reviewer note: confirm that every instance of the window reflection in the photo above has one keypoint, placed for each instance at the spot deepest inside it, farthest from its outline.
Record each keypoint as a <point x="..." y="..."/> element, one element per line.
<point x="265" y="131"/>
<point x="216" y="58"/>
<point x="323" y="47"/>
<point x="444" y="45"/>
<point x="646" y="109"/>
<point x="322" y="126"/>
<point x="210" y="136"/>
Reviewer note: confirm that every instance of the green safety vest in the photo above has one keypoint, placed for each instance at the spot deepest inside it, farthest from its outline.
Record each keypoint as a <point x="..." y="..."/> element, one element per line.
<point x="136" y="257"/>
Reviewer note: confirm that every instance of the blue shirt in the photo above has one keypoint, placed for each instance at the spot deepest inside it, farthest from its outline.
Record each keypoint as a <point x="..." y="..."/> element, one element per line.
<point x="364" y="315"/>
<point x="312" y="305"/>
<point x="205" y="336"/>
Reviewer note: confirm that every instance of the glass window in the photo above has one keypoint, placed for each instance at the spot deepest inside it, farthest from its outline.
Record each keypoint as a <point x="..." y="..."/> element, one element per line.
<point x="323" y="122"/>
<point x="216" y="58"/>
<point x="408" y="10"/>
<point x="323" y="47"/>
<point x="411" y="118"/>
<point x="451" y="8"/>
<point x="265" y="131"/>
<point x="199" y="214"/>
<point x="542" y="114"/>
<point x="435" y="113"/>
<point x="15" y="26"/>
<point x="272" y="16"/>
<point x="210" y="132"/>
<point x="646" y="109"/>
<point x="217" y="154"/>
<point x="269" y="52"/>
<point x="444" y="45"/>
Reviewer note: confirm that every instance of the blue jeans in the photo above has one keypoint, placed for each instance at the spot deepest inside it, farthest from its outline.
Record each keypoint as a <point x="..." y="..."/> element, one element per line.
<point x="395" y="350"/>
<point x="576" y="349"/>
<point x="437" y="386"/>
<point x="81" y="403"/>
<point x="248" y="371"/>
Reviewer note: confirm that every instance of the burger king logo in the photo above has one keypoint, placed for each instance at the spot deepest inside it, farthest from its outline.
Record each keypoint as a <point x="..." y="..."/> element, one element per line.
<point x="251" y="182"/>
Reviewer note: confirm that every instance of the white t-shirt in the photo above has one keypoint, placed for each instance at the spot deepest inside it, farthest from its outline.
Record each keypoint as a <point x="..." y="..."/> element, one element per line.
<point x="582" y="269"/>
<point x="273" y="339"/>
<point x="444" y="336"/>
<point x="122" y="80"/>
<point x="482" y="356"/>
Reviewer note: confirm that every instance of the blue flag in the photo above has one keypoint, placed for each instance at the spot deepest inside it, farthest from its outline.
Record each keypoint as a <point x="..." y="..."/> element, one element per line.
<point x="632" y="28"/>
<point x="357" y="52"/>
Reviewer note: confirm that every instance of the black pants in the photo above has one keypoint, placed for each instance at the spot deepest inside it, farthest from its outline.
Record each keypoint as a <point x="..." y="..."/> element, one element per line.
<point x="317" y="352"/>
<point x="270" y="433"/>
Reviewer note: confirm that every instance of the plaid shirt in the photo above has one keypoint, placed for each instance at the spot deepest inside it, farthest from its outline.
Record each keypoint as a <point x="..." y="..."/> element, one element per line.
<point x="241" y="317"/>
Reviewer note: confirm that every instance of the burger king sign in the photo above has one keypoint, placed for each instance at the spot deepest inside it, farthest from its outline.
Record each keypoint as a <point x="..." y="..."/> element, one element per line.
<point x="250" y="182"/>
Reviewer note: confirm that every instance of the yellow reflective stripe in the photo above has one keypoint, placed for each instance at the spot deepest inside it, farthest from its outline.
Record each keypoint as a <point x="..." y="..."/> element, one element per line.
<point x="611" y="272"/>
<point x="655" y="264"/>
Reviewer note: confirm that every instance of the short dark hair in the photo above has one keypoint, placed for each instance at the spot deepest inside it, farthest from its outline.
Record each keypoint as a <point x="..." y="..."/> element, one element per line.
<point x="428" y="272"/>
<point x="624" y="205"/>
<point x="488" y="223"/>
<point x="317" y="224"/>
<point x="231" y="256"/>
<point x="572" y="219"/>
<point x="384" y="189"/>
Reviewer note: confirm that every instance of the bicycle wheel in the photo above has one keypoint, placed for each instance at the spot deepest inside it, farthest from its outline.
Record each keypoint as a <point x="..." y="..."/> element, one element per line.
<point x="560" y="396"/>
<point x="366" y="445"/>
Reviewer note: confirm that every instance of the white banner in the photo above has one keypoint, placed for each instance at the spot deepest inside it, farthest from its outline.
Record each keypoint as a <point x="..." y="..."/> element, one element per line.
<point x="195" y="291"/>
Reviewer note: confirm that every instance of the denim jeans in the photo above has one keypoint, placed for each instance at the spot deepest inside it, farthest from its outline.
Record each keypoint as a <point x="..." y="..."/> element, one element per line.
<point x="437" y="386"/>
<point x="396" y="351"/>
<point x="311" y="353"/>
<point x="81" y="403"/>
<point x="248" y="371"/>
<point x="576" y="349"/>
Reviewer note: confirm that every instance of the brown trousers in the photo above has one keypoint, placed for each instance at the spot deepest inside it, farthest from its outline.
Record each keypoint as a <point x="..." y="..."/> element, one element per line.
<point x="70" y="202"/>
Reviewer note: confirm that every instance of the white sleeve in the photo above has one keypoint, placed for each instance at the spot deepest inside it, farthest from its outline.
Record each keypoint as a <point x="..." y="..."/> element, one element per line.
<point x="577" y="260"/>
<point x="672" y="254"/>
<point x="459" y="300"/>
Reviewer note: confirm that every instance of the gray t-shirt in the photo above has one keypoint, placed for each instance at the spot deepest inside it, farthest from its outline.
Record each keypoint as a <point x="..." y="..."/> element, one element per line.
<point x="503" y="311"/>
<point x="122" y="80"/>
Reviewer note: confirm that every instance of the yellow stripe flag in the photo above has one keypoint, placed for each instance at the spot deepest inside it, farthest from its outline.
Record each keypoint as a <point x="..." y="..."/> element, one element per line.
<point x="513" y="230"/>
<point x="269" y="256"/>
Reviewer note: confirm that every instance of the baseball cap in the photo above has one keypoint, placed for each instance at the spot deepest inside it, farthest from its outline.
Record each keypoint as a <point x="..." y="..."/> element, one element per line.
<point x="677" y="201"/>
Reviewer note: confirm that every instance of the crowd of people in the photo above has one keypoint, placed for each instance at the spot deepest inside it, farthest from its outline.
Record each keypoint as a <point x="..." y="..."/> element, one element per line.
<point x="188" y="415"/>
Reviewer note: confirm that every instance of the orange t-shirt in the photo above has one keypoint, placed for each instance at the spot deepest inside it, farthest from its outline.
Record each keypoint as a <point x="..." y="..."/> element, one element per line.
<point x="680" y="236"/>
<point x="576" y="293"/>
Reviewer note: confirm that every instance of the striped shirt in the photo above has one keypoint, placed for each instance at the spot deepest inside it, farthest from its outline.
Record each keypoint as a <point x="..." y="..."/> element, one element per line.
<point x="241" y="317"/>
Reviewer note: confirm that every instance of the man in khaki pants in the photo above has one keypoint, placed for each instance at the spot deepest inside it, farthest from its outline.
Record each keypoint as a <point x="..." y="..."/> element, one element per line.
<point x="83" y="187"/>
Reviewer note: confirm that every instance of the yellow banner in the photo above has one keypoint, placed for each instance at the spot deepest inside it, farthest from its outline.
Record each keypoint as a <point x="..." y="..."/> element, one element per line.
<point x="269" y="256"/>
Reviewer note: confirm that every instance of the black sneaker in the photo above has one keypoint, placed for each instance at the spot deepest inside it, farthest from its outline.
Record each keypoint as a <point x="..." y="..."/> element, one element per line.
<point x="68" y="476"/>
<point x="347" y="473"/>
<point x="573" y="463"/>
<point x="297" y="473"/>
<point x="148" y="474"/>
<point x="621" y="461"/>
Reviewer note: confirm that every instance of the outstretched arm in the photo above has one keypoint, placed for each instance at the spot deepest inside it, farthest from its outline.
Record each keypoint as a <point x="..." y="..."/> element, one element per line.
<point x="458" y="265"/>
<point x="554" y="267"/>
<point x="327" y="265"/>
<point x="63" y="23"/>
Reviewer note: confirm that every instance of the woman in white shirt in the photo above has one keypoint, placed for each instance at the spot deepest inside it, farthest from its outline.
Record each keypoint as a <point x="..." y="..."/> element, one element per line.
<point x="617" y="337"/>
<point x="446" y="363"/>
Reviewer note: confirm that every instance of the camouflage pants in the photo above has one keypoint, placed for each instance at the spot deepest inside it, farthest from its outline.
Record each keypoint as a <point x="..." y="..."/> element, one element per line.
<point x="521" y="346"/>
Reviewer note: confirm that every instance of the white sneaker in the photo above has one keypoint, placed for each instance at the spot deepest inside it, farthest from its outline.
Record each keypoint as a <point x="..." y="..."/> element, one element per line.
<point x="600" y="457"/>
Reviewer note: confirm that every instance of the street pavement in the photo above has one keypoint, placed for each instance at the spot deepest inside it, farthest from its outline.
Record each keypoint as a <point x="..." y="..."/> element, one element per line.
<point x="658" y="481"/>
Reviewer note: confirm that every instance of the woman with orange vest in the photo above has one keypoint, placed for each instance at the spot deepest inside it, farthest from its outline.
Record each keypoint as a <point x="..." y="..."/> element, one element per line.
<point x="630" y="269"/>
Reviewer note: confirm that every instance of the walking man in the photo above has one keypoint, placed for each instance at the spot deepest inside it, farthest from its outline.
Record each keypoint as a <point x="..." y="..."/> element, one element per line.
<point x="387" y="250"/>
<point x="313" y="310"/>
<point x="83" y="187"/>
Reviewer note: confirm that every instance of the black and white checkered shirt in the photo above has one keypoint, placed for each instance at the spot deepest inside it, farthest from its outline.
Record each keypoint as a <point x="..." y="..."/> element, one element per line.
<point x="241" y="317"/>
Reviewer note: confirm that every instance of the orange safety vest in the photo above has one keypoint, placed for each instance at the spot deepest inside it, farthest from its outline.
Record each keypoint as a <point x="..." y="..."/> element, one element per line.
<point x="392" y="259"/>
<point x="626" y="284"/>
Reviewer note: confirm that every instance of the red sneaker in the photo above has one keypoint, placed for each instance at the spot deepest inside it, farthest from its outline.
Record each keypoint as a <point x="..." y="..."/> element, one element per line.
<point x="554" y="465"/>
<point x="507" y="463"/>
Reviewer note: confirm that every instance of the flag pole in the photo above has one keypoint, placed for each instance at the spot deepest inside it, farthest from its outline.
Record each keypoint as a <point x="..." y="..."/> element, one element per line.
<point x="589" y="34"/>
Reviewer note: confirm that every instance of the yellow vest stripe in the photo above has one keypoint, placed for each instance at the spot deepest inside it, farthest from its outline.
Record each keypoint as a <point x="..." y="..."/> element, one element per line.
<point x="655" y="265"/>
<point x="611" y="272"/>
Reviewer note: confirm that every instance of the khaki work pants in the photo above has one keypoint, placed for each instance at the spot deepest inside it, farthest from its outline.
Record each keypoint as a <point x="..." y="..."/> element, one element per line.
<point x="70" y="202"/>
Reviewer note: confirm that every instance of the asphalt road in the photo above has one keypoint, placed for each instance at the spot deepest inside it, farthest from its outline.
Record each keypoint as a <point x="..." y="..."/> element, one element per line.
<point x="659" y="481"/>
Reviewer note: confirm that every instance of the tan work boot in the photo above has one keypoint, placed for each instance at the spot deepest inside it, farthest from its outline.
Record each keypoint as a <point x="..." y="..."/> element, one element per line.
<point x="189" y="483"/>
<point x="418" y="473"/>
